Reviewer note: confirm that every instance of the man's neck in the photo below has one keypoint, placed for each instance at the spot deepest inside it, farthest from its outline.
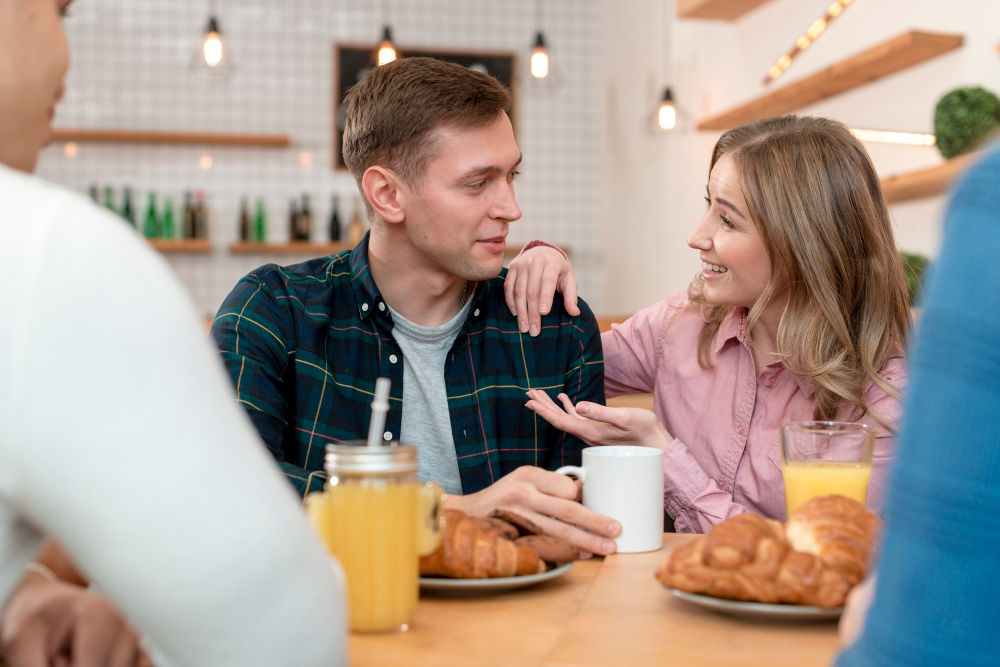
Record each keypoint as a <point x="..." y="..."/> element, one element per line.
<point x="419" y="292"/>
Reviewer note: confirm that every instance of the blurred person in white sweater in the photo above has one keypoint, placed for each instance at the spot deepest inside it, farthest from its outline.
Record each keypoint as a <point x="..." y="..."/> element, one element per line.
<point x="120" y="439"/>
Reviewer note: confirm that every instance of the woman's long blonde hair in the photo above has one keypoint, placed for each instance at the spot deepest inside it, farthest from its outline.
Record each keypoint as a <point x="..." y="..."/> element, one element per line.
<point x="816" y="201"/>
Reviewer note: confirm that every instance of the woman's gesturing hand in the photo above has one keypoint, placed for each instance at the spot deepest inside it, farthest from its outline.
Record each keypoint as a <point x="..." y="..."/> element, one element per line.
<point x="532" y="280"/>
<point x="601" y="425"/>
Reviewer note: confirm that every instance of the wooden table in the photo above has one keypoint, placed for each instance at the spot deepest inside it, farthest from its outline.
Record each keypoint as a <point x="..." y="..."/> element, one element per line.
<point x="604" y="612"/>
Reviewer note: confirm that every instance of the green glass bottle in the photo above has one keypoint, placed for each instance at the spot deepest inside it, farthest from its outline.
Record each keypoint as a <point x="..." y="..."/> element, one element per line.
<point x="151" y="228"/>
<point x="109" y="198"/>
<point x="127" y="211"/>
<point x="167" y="228"/>
<point x="260" y="223"/>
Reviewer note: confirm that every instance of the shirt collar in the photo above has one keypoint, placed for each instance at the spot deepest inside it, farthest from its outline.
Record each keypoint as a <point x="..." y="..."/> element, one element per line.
<point x="369" y="298"/>
<point x="734" y="326"/>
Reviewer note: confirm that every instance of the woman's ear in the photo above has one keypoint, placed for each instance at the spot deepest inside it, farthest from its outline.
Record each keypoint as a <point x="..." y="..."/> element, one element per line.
<point x="381" y="187"/>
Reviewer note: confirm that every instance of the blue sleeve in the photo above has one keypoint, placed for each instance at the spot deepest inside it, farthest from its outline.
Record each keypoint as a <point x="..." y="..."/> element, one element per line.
<point x="938" y="595"/>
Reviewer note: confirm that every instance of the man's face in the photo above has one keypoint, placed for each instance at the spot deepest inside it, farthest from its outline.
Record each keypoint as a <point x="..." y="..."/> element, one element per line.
<point x="34" y="58"/>
<point x="459" y="214"/>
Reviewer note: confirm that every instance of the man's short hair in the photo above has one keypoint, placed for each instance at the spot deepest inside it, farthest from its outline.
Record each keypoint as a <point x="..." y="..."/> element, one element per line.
<point x="392" y="111"/>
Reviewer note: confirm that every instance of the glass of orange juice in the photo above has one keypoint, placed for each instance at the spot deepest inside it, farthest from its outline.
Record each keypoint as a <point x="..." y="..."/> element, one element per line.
<point x="824" y="458"/>
<point x="377" y="519"/>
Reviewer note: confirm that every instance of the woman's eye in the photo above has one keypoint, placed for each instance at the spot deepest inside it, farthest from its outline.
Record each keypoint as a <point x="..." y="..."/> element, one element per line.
<point x="727" y="222"/>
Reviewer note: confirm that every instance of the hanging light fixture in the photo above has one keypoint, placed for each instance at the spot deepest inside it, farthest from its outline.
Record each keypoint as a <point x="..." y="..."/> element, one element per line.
<point x="212" y="60"/>
<point x="667" y="116"/>
<point x="386" y="51"/>
<point x="539" y="56"/>
<point x="212" y="49"/>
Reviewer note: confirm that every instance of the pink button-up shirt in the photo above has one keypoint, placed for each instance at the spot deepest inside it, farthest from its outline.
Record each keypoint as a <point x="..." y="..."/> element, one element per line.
<point x="725" y="458"/>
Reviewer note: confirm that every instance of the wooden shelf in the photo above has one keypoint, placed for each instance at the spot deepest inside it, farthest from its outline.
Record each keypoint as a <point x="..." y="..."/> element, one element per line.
<point x="897" y="54"/>
<point x="295" y="248"/>
<point x="181" y="245"/>
<point x="142" y="137"/>
<point x="925" y="182"/>
<point x="726" y="10"/>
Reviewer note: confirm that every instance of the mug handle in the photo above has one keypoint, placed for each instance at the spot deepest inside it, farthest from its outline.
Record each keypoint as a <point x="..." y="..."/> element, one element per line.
<point x="579" y="472"/>
<point x="430" y="512"/>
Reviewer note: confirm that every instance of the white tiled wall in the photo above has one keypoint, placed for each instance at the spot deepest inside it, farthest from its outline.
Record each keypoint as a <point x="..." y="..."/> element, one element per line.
<point x="130" y="70"/>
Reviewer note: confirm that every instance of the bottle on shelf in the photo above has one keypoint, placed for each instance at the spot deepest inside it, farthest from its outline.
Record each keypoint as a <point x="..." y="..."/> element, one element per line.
<point x="167" y="226"/>
<point x="94" y="193"/>
<point x="305" y="220"/>
<point x="127" y="211"/>
<point x="260" y="223"/>
<point x="200" y="215"/>
<point x="356" y="231"/>
<point x="293" y="221"/>
<point x="151" y="227"/>
<point x="335" y="220"/>
<point x="244" y="221"/>
<point x="109" y="199"/>
<point x="190" y="229"/>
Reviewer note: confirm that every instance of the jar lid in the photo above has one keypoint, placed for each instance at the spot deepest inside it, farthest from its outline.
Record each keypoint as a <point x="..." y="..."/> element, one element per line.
<point x="355" y="456"/>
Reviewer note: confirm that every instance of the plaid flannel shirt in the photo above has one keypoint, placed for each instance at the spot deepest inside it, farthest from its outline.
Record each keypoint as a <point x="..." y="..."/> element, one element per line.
<point x="304" y="345"/>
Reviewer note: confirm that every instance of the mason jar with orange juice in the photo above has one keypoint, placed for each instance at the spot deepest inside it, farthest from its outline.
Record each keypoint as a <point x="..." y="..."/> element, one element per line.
<point x="377" y="519"/>
<point x="825" y="458"/>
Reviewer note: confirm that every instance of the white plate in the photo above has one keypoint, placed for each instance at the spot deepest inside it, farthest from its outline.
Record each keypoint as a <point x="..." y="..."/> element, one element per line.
<point x="759" y="610"/>
<point x="442" y="586"/>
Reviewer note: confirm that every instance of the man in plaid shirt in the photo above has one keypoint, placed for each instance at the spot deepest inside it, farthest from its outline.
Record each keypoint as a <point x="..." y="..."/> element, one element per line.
<point x="421" y="301"/>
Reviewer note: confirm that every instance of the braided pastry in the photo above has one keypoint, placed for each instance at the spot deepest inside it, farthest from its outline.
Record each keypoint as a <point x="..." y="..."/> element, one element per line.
<point x="815" y="559"/>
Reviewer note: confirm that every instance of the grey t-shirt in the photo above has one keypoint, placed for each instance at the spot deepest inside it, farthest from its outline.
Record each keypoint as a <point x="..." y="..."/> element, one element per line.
<point x="426" y="420"/>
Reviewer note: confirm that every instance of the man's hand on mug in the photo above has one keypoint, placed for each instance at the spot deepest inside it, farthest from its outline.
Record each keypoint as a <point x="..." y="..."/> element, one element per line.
<point x="532" y="280"/>
<point x="600" y="425"/>
<point x="549" y="500"/>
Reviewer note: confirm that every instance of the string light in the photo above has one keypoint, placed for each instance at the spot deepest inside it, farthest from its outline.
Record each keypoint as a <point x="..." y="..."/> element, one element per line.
<point x="806" y="39"/>
<point x="386" y="51"/>
<point x="667" y="115"/>
<point x="71" y="149"/>
<point x="886" y="137"/>
<point x="539" y="58"/>
<point x="213" y="43"/>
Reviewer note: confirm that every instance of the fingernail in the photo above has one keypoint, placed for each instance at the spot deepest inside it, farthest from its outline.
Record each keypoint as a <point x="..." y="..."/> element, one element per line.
<point x="582" y="409"/>
<point x="523" y="326"/>
<point x="544" y="308"/>
<point x="512" y="311"/>
<point x="608" y="547"/>
<point x="614" y="528"/>
<point x="534" y="330"/>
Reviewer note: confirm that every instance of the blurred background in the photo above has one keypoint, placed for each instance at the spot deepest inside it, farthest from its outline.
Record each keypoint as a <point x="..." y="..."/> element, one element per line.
<point x="227" y="101"/>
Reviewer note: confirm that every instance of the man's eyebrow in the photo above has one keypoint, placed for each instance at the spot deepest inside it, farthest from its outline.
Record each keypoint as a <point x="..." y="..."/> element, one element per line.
<point x="490" y="169"/>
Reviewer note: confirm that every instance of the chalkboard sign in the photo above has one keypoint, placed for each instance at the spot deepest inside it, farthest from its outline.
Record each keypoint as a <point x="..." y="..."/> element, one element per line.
<point x="353" y="62"/>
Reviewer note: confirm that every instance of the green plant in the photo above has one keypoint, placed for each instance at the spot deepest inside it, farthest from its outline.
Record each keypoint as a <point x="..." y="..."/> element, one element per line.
<point x="963" y="118"/>
<point x="914" y="267"/>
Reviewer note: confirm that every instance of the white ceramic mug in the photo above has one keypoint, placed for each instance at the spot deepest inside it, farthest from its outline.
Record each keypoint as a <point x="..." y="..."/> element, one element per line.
<point x="626" y="484"/>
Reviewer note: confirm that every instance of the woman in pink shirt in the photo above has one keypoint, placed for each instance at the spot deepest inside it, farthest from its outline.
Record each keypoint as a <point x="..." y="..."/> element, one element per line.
<point x="800" y="312"/>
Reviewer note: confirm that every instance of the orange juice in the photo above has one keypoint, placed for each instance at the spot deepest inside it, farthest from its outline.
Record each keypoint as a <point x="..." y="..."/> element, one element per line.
<point x="370" y="526"/>
<point x="805" y="480"/>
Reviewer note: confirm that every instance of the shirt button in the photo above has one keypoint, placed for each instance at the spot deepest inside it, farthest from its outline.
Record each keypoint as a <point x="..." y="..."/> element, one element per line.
<point x="766" y="383"/>
<point x="364" y="307"/>
<point x="381" y="306"/>
<point x="476" y="314"/>
<point x="387" y="435"/>
<point x="392" y="359"/>
<point x="741" y="429"/>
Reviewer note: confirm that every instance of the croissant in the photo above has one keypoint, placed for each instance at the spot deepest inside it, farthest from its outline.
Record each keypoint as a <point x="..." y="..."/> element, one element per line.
<point x="474" y="549"/>
<point x="815" y="559"/>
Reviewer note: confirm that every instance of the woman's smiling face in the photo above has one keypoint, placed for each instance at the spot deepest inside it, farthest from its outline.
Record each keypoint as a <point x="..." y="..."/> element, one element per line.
<point x="735" y="264"/>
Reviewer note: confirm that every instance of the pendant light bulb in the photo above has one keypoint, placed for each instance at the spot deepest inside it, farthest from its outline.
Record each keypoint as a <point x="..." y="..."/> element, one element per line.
<point x="213" y="43"/>
<point x="668" y="113"/>
<point x="539" y="59"/>
<point x="386" y="51"/>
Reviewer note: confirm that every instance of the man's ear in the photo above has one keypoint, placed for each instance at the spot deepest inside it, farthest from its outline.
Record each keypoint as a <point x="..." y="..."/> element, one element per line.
<point x="382" y="188"/>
